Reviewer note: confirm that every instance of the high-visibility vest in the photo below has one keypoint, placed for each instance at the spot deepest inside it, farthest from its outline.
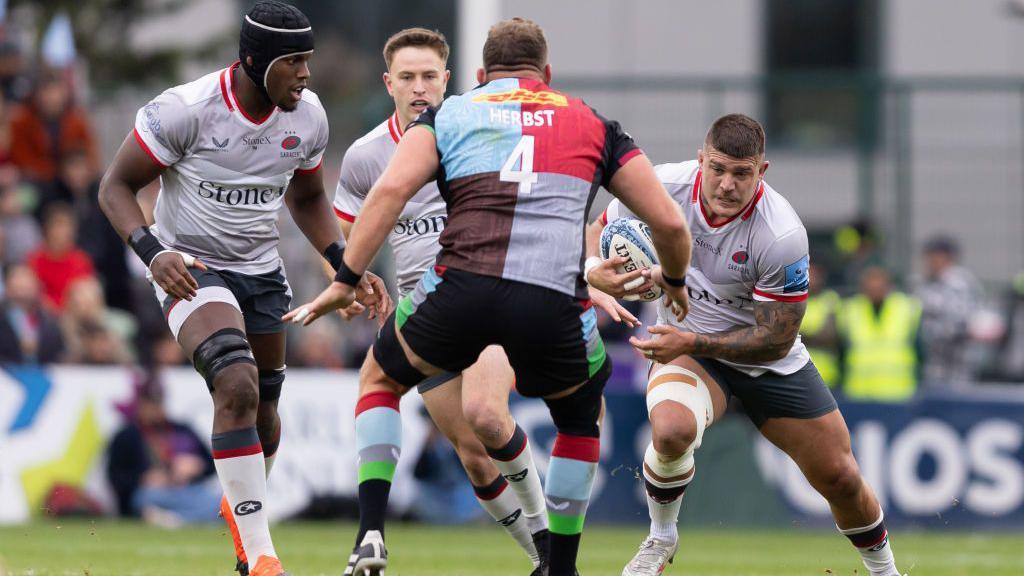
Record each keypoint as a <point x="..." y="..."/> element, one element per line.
<point x="881" y="359"/>
<point x="820" y="307"/>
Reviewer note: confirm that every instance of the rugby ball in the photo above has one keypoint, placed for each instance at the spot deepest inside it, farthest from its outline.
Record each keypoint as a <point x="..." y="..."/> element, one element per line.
<point x="631" y="238"/>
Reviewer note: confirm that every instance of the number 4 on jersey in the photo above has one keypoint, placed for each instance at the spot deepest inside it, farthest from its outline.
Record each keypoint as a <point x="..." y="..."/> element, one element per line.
<point x="525" y="176"/>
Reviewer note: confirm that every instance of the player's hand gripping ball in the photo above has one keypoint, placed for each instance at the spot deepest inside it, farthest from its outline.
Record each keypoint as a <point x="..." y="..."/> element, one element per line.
<point x="631" y="239"/>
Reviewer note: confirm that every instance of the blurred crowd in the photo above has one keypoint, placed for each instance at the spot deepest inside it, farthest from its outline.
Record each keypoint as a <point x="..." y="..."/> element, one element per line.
<point x="70" y="292"/>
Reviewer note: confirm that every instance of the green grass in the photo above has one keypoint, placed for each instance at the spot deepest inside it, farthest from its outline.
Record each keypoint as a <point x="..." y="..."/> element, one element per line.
<point x="125" y="549"/>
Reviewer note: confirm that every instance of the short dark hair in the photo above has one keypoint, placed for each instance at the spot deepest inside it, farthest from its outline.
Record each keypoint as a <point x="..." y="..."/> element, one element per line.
<point x="514" y="44"/>
<point x="736" y="135"/>
<point x="418" y="37"/>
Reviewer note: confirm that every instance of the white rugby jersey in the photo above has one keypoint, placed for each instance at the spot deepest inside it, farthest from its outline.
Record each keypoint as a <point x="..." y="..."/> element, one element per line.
<point x="760" y="254"/>
<point x="414" y="240"/>
<point x="227" y="172"/>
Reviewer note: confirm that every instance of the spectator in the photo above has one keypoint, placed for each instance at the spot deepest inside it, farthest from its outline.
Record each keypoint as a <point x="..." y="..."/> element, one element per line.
<point x="47" y="127"/>
<point x="1010" y="356"/>
<point x="950" y="295"/>
<point x="879" y="327"/>
<point x="5" y="130"/>
<point x="28" y="333"/>
<point x="818" y="329"/>
<point x="13" y="84"/>
<point x="94" y="333"/>
<point x="159" y="469"/>
<point x="22" y="230"/>
<point x="167" y="352"/>
<point x="58" y="262"/>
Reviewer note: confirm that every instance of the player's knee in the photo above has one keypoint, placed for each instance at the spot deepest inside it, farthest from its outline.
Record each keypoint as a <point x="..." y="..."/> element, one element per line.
<point x="221" y="351"/>
<point x="236" y="393"/>
<point x="488" y="421"/>
<point x="372" y="378"/>
<point x="680" y="409"/>
<point x="675" y="434"/>
<point x="839" y="481"/>
<point x="271" y="383"/>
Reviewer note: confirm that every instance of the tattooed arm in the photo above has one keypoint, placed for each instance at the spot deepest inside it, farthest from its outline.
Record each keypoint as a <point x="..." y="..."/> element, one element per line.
<point x="777" y="326"/>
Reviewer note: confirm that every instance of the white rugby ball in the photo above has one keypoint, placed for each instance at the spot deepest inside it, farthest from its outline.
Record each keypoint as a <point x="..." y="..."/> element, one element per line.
<point x="631" y="238"/>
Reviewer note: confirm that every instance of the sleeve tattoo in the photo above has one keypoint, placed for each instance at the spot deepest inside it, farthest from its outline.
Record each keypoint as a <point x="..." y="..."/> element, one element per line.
<point x="777" y="326"/>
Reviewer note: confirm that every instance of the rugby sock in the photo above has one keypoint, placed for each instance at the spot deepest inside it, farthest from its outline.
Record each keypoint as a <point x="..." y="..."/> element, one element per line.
<point x="665" y="480"/>
<point x="238" y="457"/>
<point x="570" y="477"/>
<point x="872" y="541"/>
<point x="515" y="462"/>
<point x="503" y="506"/>
<point x="379" y="442"/>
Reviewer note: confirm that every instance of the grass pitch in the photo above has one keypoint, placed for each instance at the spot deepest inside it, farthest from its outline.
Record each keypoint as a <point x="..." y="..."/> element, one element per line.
<point x="110" y="548"/>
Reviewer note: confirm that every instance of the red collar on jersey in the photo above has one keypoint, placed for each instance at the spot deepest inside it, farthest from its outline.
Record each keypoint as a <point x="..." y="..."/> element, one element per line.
<point x="227" y="90"/>
<point x="747" y="213"/>
<point x="395" y="127"/>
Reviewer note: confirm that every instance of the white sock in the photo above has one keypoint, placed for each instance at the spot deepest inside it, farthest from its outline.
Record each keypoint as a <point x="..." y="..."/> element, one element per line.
<point x="872" y="541"/>
<point x="515" y="462"/>
<point x="503" y="505"/>
<point x="238" y="457"/>
<point x="268" y="463"/>
<point x="667" y="479"/>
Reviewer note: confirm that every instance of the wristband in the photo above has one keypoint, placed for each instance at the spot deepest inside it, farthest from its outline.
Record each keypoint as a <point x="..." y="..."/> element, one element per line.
<point x="588" y="265"/>
<point x="346" y="275"/>
<point x="333" y="254"/>
<point x="145" y="245"/>
<point x="674" y="282"/>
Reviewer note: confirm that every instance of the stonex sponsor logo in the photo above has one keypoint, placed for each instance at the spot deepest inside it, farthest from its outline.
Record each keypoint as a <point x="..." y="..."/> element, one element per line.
<point x="256" y="142"/>
<point x="700" y="241"/>
<point x="420" y="226"/>
<point x="239" y="196"/>
<point x="524" y="96"/>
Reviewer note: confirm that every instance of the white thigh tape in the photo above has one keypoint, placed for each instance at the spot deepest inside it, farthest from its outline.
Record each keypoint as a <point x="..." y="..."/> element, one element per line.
<point x="696" y="398"/>
<point x="182" y="309"/>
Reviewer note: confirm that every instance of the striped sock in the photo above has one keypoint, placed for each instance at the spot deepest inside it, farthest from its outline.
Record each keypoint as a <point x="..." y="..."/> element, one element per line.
<point x="379" y="442"/>
<point x="503" y="506"/>
<point x="872" y="541"/>
<point x="238" y="457"/>
<point x="570" y="477"/>
<point x="515" y="462"/>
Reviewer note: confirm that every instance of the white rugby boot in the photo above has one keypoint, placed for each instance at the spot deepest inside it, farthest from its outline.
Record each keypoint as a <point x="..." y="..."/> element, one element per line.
<point x="652" y="558"/>
<point x="370" y="558"/>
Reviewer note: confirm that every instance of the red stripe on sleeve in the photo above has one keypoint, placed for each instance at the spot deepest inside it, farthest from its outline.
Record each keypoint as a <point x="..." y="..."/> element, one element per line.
<point x="377" y="400"/>
<point x="145" y="148"/>
<point x="344" y="215"/>
<point x="236" y="452"/>
<point x="780" y="297"/>
<point x="629" y="156"/>
<point x="577" y="448"/>
<point x="310" y="170"/>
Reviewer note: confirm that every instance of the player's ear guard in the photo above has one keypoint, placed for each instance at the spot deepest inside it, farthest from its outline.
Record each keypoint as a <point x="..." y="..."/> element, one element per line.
<point x="223" y="348"/>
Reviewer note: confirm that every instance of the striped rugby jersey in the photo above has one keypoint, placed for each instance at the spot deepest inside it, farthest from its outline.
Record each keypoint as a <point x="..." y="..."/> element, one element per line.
<point x="760" y="254"/>
<point x="520" y="165"/>
<point x="226" y="172"/>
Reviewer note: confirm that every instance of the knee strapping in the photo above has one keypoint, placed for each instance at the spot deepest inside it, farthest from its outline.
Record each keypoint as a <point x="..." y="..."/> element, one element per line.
<point x="577" y="414"/>
<point x="669" y="472"/>
<point x="223" y="348"/>
<point x="270" y="384"/>
<point x="676" y="384"/>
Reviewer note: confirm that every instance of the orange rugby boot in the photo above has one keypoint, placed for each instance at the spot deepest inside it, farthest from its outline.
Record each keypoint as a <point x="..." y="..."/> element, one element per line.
<point x="268" y="566"/>
<point x="242" y="563"/>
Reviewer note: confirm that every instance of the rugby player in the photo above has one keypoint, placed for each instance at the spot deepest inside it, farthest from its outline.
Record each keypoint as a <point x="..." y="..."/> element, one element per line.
<point x="747" y="288"/>
<point x="518" y="165"/>
<point x="229" y="149"/>
<point x="416" y="78"/>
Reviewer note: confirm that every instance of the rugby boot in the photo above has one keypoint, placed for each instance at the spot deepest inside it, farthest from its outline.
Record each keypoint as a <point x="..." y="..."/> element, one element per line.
<point x="242" y="563"/>
<point x="652" y="558"/>
<point x="268" y="566"/>
<point x="369" y="558"/>
<point x="543" y="544"/>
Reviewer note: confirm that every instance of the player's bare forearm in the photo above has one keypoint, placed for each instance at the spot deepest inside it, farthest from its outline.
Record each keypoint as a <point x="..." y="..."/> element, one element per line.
<point x="414" y="163"/>
<point x="130" y="170"/>
<point x="778" y="324"/>
<point x="308" y="204"/>
<point x="638" y="187"/>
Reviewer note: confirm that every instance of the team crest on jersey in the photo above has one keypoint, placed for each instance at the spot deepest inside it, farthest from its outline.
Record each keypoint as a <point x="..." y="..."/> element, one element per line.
<point x="740" y="257"/>
<point x="291" y="142"/>
<point x="524" y="96"/>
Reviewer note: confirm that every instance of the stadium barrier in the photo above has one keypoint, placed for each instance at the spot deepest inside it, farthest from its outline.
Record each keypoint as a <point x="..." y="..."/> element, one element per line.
<point x="937" y="462"/>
